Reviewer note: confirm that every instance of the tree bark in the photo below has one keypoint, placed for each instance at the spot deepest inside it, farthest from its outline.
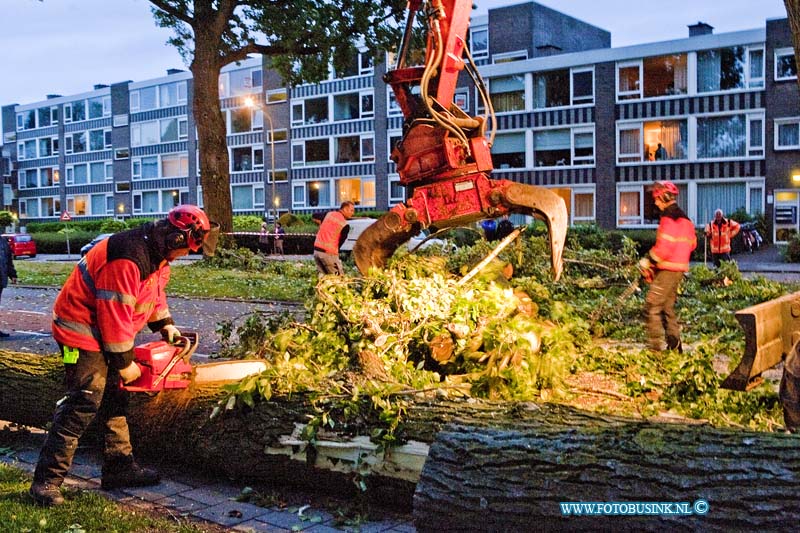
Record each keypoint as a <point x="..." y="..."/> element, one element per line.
<point x="793" y="11"/>
<point x="492" y="466"/>
<point x="212" y="140"/>
<point x="489" y="479"/>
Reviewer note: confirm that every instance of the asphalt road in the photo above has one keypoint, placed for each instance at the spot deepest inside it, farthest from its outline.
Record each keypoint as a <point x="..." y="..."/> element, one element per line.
<point x="25" y="313"/>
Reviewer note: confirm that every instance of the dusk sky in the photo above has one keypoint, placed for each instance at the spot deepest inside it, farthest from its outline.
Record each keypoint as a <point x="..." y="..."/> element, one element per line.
<point x="67" y="46"/>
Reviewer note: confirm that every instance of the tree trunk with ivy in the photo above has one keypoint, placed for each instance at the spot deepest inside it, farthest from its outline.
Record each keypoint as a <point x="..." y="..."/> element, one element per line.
<point x="502" y="465"/>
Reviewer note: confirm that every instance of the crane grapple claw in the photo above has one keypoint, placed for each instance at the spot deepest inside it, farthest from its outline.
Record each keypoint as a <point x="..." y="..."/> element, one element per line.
<point x="378" y="242"/>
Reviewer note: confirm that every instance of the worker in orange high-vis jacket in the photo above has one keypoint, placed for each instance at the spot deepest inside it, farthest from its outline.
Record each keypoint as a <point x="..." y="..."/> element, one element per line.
<point x="115" y="290"/>
<point x="721" y="230"/>
<point x="331" y="235"/>
<point x="664" y="267"/>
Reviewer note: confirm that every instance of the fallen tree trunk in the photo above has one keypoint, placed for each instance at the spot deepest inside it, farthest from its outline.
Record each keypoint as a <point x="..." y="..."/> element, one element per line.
<point x="493" y="466"/>
<point x="490" y="479"/>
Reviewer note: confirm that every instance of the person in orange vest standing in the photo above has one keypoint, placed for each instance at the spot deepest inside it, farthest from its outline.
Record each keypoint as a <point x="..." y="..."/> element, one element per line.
<point x="331" y="235"/>
<point x="664" y="266"/>
<point x="721" y="230"/>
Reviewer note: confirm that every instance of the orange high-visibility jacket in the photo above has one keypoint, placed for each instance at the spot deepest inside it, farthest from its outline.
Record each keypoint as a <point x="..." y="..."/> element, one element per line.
<point x="721" y="235"/>
<point x="675" y="240"/>
<point x="329" y="233"/>
<point x="115" y="290"/>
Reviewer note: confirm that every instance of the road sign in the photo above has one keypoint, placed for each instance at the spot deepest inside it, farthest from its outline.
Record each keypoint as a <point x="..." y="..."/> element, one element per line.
<point x="65" y="217"/>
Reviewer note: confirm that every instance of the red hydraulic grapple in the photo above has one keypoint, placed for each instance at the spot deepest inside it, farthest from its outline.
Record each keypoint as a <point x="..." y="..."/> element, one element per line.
<point x="444" y="157"/>
<point x="163" y="365"/>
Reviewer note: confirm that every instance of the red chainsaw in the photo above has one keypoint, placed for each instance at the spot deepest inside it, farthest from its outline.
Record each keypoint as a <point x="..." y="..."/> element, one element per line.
<point x="163" y="365"/>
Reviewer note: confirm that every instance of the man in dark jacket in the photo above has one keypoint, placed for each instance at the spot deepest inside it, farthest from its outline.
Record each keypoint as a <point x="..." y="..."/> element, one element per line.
<point x="115" y="290"/>
<point x="7" y="270"/>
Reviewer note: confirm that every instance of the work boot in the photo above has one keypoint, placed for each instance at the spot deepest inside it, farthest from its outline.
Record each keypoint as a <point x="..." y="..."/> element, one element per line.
<point x="46" y="494"/>
<point x="126" y="472"/>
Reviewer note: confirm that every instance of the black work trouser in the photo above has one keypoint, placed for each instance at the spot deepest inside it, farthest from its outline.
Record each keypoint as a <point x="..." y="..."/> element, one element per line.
<point x="662" y="322"/>
<point x="92" y="391"/>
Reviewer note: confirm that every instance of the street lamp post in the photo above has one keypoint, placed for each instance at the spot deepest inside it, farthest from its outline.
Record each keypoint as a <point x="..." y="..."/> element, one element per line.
<point x="251" y="103"/>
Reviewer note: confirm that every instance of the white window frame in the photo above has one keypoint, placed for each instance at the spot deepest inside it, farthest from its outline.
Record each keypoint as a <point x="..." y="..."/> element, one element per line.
<point x="370" y="68"/>
<point x="581" y="191"/>
<point x="366" y="158"/>
<point x="583" y="160"/>
<point x="276" y="96"/>
<point x="67" y="113"/>
<point x="637" y="220"/>
<point x="302" y="162"/>
<point x="361" y="112"/>
<point x="392" y="106"/>
<point x="54" y="115"/>
<point x="134" y="101"/>
<point x="224" y="84"/>
<point x="509" y="57"/>
<point x="578" y="70"/>
<point x="393" y="200"/>
<point x="483" y="53"/>
<point x="625" y="126"/>
<point x="779" y="52"/>
<point x="751" y="117"/>
<point x="784" y="122"/>
<point x="107" y="106"/>
<point x="634" y="94"/>
<point x="298" y="187"/>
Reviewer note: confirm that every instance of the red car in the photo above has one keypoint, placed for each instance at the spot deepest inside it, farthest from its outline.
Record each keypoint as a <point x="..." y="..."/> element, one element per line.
<point x="21" y="244"/>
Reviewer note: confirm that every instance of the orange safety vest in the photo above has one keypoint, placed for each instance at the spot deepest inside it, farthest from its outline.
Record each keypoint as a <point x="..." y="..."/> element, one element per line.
<point x="721" y="235"/>
<point x="104" y="304"/>
<point x="675" y="241"/>
<point x="329" y="232"/>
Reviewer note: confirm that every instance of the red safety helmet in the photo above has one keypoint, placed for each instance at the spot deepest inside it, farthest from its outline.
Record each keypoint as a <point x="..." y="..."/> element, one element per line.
<point x="193" y="225"/>
<point x="666" y="191"/>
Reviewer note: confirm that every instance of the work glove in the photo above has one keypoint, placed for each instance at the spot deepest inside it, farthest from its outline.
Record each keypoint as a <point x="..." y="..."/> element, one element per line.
<point x="169" y="333"/>
<point x="130" y="373"/>
<point x="646" y="269"/>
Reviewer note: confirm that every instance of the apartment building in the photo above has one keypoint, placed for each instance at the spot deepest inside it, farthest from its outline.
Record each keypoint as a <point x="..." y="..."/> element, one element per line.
<point x="719" y="114"/>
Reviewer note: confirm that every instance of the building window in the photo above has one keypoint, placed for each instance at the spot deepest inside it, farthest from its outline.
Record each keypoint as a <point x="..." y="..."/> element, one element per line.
<point x="509" y="57"/>
<point x="550" y="89"/>
<point x="346" y="106"/>
<point x="168" y="130"/>
<point x="726" y="196"/>
<point x="726" y="69"/>
<point x="664" y="75"/>
<point x="242" y="197"/>
<point x="657" y="140"/>
<point x="174" y="166"/>
<point x="360" y="191"/>
<point x="26" y="120"/>
<point x="241" y="120"/>
<point x="97" y="172"/>
<point x="310" y="111"/>
<point x="280" y="175"/>
<point x="145" y="133"/>
<point x="96" y="107"/>
<point x="393" y="107"/>
<point x="172" y="94"/>
<point x="242" y="159"/>
<point x="508" y="150"/>
<point x="787" y="133"/>
<point x="508" y="93"/>
<point x="563" y="147"/>
<point x="397" y="193"/>
<point x="79" y="142"/>
<point x="785" y="66"/>
<point x="28" y="179"/>
<point x="78" y="111"/>
<point x="730" y="136"/>
<point x="316" y="152"/>
<point x="277" y="95"/>
<point x="97" y="140"/>
<point x="44" y="117"/>
<point x="348" y="149"/>
<point x="582" y="86"/>
<point x="479" y="42"/>
<point x="319" y="193"/>
<point x="629" y="77"/>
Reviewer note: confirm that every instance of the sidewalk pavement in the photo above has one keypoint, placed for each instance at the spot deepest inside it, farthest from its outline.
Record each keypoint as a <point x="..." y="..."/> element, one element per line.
<point x="213" y="502"/>
<point x="766" y="260"/>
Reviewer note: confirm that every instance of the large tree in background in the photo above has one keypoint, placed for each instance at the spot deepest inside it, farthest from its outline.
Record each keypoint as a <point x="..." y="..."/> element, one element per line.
<point x="301" y="38"/>
<point x="793" y="10"/>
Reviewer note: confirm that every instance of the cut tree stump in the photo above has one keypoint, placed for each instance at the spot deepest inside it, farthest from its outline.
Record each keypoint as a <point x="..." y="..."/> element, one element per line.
<point x="492" y="466"/>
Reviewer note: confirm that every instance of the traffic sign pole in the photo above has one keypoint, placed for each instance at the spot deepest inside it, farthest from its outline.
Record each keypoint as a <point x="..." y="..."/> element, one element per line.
<point x="65" y="217"/>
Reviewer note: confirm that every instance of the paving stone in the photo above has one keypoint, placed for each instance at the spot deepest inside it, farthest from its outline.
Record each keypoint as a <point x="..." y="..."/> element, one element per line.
<point x="85" y="471"/>
<point x="372" y="527"/>
<point x="256" y="526"/>
<point x="82" y="484"/>
<point x="211" y="495"/>
<point x="407" y="527"/>
<point x="291" y="520"/>
<point x="181" y="504"/>
<point x="28" y="456"/>
<point x="322" y="528"/>
<point x="230" y="513"/>
<point x="156" y="492"/>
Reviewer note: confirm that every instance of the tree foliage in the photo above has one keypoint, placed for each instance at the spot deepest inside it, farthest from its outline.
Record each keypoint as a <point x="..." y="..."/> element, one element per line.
<point x="300" y="38"/>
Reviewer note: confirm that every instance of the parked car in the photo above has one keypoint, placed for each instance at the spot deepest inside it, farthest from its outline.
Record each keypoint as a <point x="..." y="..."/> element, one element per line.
<point x="357" y="227"/>
<point x="21" y="244"/>
<point x="86" y="247"/>
<point x="419" y="242"/>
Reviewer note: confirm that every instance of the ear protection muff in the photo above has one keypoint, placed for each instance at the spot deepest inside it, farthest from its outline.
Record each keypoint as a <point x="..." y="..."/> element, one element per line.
<point x="175" y="240"/>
